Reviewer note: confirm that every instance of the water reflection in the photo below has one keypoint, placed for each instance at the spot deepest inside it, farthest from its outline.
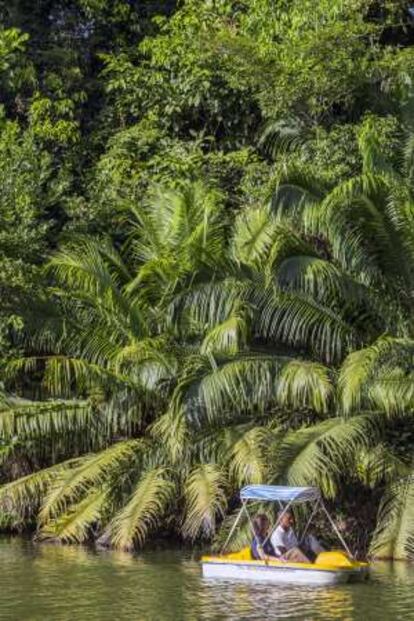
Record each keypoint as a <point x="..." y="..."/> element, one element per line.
<point x="64" y="583"/>
<point x="250" y="601"/>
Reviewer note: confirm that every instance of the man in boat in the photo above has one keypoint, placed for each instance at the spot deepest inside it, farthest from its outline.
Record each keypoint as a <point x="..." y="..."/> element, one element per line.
<point x="262" y="548"/>
<point x="286" y="544"/>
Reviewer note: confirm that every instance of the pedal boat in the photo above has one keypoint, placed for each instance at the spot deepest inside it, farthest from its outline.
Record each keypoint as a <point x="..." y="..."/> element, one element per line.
<point x="329" y="568"/>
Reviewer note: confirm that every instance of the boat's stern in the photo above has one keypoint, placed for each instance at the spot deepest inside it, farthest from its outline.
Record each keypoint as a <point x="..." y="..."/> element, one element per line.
<point x="337" y="559"/>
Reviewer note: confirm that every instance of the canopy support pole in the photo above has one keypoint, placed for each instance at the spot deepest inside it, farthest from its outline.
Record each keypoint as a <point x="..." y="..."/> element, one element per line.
<point x="315" y="508"/>
<point x="332" y="523"/>
<point x="233" y="528"/>
<point x="249" y="518"/>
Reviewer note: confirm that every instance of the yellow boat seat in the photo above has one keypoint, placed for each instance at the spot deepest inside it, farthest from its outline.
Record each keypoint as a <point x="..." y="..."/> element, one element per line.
<point x="334" y="558"/>
<point x="242" y="555"/>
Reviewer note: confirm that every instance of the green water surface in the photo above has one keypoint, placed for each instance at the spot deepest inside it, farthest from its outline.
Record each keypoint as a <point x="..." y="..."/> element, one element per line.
<point x="68" y="583"/>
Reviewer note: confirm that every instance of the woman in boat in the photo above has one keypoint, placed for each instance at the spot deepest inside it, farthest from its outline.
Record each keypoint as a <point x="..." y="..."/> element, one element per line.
<point x="262" y="548"/>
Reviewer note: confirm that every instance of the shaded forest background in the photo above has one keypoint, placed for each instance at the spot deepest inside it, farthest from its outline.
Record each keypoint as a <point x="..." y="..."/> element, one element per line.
<point x="100" y="99"/>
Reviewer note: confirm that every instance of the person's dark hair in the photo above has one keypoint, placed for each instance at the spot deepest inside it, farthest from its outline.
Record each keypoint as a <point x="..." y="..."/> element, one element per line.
<point x="260" y="524"/>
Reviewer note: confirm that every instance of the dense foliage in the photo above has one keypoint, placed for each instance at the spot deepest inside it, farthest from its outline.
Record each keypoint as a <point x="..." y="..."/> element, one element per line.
<point x="206" y="264"/>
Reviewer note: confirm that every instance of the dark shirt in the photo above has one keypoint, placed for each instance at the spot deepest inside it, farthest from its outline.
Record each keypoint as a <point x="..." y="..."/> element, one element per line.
<point x="267" y="547"/>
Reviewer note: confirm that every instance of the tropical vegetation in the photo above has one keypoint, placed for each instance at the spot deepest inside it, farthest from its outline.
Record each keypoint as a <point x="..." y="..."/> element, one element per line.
<point x="207" y="266"/>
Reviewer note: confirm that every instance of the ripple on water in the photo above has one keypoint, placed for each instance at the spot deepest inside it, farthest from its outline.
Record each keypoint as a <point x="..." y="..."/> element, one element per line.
<point x="76" y="584"/>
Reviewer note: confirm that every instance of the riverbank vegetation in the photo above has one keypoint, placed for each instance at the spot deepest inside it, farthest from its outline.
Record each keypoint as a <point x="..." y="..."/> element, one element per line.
<point x="207" y="264"/>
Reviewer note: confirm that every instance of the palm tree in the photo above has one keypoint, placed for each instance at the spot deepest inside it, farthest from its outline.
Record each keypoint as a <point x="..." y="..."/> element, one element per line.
<point x="213" y="350"/>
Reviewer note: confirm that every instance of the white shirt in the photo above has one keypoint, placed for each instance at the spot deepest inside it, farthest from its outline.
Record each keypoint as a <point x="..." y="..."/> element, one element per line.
<point x="285" y="539"/>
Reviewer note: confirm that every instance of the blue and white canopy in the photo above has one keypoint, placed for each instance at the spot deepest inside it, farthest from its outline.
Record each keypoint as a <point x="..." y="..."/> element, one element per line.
<point x="279" y="493"/>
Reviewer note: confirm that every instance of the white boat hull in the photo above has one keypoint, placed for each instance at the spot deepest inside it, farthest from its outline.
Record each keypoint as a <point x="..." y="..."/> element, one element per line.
<point x="278" y="575"/>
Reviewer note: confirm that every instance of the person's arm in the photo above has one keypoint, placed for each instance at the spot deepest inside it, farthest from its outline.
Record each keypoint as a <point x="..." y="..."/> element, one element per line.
<point x="278" y="542"/>
<point x="270" y="551"/>
<point x="257" y="550"/>
<point x="293" y="540"/>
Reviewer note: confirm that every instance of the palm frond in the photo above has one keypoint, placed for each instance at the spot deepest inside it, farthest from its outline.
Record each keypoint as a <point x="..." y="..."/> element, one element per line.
<point x="227" y="338"/>
<point x="74" y="526"/>
<point x="24" y="495"/>
<point x="183" y="220"/>
<point x="254" y="230"/>
<point x="64" y="373"/>
<point x="43" y="420"/>
<point x="287" y="247"/>
<point x="361" y="366"/>
<point x="246" y="383"/>
<point x="319" y="454"/>
<point x="172" y="430"/>
<point x="282" y="136"/>
<point x="306" y="384"/>
<point x="300" y="321"/>
<point x="143" y="511"/>
<point x="394" y="535"/>
<point x="370" y="149"/>
<point x="205" y="500"/>
<point x="248" y="461"/>
<point x="83" y="268"/>
<point x="363" y="226"/>
<point x="392" y="391"/>
<point x="378" y="464"/>
<point x="297" y="192"/>
<point x="408" y="157"/>
<point x="206" y="304"/>
<point x="93" y="471"/>
<point x="329" y="285"/>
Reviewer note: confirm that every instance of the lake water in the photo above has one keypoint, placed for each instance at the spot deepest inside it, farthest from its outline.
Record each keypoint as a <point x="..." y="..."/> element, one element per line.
<point x="48" y="583"/>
